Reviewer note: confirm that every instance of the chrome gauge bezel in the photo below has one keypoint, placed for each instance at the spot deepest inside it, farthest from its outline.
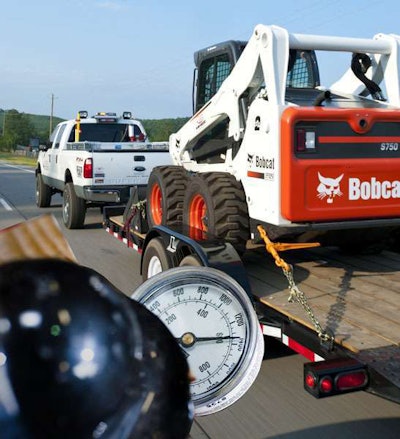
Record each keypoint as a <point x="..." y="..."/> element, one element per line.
<point x="242" y="374"/>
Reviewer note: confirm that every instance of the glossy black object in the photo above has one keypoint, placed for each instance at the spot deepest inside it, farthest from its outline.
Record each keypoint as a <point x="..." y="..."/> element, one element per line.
<point x="79" y="359"/>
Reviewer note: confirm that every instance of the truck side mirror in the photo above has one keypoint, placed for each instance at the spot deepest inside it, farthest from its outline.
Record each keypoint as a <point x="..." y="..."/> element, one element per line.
<point x="45" y="147"/>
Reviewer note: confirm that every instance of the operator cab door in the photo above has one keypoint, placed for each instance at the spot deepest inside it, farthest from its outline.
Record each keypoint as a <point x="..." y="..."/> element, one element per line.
<point x="213" y="66"/>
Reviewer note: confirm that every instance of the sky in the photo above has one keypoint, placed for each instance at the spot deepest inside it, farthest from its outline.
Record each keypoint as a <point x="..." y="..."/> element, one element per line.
<point x="131" y="55"/>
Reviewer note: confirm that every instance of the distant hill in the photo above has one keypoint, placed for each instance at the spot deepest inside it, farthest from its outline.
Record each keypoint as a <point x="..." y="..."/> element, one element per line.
<point x="42" y="123"/>
<point x="159" y="130"/>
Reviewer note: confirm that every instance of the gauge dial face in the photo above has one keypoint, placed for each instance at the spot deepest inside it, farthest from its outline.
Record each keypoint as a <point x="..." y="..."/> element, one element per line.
<point x="215" y="325"/>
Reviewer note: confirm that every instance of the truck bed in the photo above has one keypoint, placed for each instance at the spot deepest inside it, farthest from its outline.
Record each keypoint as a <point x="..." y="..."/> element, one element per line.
<point x="357" y="297"/>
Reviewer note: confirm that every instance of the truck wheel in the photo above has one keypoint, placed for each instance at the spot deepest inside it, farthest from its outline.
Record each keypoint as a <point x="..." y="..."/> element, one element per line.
<point x="165" y="192"/>
<point x="74" y="208"/>
<point x="43" y="192"/>
<point x="215" y="202"/>
<point x="155" y="259"/>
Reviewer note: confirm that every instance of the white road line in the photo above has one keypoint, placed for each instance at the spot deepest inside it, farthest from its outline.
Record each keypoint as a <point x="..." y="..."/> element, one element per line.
<point x="32" y="171"/>
<point x="5" y="204"/>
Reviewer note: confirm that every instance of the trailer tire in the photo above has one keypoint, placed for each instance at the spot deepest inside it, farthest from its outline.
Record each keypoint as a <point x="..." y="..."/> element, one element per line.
<point x="191" y="261"/>
<point x="155" y="259"/>
<point x="74" y="208"/>
<point x="165" y="192"/>
<point x="215" y="202"/>
<point x="43" y="192"/>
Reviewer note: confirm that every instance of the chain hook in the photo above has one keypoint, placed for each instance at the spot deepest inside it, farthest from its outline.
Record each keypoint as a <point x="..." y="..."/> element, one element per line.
<point x="295" y="294"/>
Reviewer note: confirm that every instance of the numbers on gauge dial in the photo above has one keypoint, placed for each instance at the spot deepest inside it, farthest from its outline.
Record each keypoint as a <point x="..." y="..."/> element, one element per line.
<point x="210" y="328"/>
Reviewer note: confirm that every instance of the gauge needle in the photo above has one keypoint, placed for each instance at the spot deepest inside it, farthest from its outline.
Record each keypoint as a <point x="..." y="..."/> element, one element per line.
<point x="226" y="337"/>
<point x="188" y="339"/>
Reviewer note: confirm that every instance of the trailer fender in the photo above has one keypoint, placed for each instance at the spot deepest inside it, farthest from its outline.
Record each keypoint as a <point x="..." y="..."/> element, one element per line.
<point x="212" y="252"/>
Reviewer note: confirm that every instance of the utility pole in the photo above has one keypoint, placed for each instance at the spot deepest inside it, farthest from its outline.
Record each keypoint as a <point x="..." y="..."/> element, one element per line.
<point x="51" y="114"/>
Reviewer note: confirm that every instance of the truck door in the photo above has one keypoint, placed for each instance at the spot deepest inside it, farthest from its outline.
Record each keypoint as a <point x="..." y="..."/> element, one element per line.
<point x="54" y="152"/>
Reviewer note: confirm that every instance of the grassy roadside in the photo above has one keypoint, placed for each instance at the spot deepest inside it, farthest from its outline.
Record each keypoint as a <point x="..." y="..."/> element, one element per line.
<point x="17" y="159"/>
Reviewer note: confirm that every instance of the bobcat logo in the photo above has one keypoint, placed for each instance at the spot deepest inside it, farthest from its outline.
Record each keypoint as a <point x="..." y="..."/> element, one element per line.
<point x="329" y="187"/>
<point x="250" y="158"/>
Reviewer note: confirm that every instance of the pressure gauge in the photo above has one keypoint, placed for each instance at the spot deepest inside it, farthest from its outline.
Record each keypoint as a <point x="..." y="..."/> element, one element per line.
<point x="213" y="320"/>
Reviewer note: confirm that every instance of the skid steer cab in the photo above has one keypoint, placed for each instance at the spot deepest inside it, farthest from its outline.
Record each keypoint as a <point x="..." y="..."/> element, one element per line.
<point x="268" y="144"/>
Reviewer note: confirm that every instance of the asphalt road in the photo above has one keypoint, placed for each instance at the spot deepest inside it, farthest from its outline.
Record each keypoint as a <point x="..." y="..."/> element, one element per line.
<point x="276" y="406"/>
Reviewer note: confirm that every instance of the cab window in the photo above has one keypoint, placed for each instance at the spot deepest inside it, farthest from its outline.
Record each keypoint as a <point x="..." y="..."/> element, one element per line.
<point x="57" y="139"/>
<point x="107" y="132"/>
<point x="301" y="74"/>
<point x="212" y="74"/>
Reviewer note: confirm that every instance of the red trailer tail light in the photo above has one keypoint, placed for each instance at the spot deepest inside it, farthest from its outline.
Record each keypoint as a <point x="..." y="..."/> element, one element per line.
<point x="333" y="377"/>
<point x="352" y="380"/>
<point x="310" y="381"/>
<point x="88" y="168"/>
<point x="326" y="384"/>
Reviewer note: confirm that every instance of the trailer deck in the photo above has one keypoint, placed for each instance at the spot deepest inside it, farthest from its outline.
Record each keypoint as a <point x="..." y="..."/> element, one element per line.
<point x="356" y="297"/>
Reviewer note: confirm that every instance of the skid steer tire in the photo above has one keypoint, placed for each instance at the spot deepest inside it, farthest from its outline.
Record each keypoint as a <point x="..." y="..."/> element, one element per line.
<point x="43" y="192"/>
<point x="74" y="208"/>
<point x="165" y="192"/>
<point x="215" y="203"/>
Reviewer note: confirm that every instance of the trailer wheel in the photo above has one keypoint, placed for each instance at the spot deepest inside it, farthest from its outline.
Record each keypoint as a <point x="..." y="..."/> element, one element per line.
<point x="165" y="191"/>
<point x="155" y="259"/>
<point x="43" y="192"/>
<point x="74" y="208"/>
<point x="215" y="202"/>
<point x="191" y="261"/>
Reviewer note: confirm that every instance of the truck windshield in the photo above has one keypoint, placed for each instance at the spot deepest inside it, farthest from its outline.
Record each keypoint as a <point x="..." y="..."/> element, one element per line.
<point x="110" y="132"/>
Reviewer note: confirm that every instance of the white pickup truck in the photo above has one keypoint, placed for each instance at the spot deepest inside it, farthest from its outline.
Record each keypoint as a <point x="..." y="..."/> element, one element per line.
<point x="95" y="161"/>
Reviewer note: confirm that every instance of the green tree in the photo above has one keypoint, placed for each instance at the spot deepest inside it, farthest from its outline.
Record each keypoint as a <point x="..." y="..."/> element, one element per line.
<point x="161" y="129"/>
<point x="16" y="129"/>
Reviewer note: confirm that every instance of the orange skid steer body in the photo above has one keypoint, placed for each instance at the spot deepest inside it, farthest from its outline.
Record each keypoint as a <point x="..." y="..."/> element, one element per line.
<point x="353" y="174"/>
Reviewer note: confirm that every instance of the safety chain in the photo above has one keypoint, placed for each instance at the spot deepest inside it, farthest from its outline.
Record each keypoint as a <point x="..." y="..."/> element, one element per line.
<point x="295" y="293"/>
<point x="140" y="206"/>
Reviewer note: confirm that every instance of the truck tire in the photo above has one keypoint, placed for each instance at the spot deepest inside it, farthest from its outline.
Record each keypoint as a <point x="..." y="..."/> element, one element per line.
<point x="43" y="192"/>
<point x="74" y="208"/>
<point x="165" y="192"/>
<point x="215" y="202"/>
<point x="155" y="259"/>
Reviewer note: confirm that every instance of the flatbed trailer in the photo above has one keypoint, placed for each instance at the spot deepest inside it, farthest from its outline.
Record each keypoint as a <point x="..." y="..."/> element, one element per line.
<point x="355" y="297"/>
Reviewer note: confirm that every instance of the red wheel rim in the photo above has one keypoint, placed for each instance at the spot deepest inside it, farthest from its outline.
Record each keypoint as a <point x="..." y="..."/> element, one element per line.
<point x="197" y="215"/>
<point x="156" y="204"/>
